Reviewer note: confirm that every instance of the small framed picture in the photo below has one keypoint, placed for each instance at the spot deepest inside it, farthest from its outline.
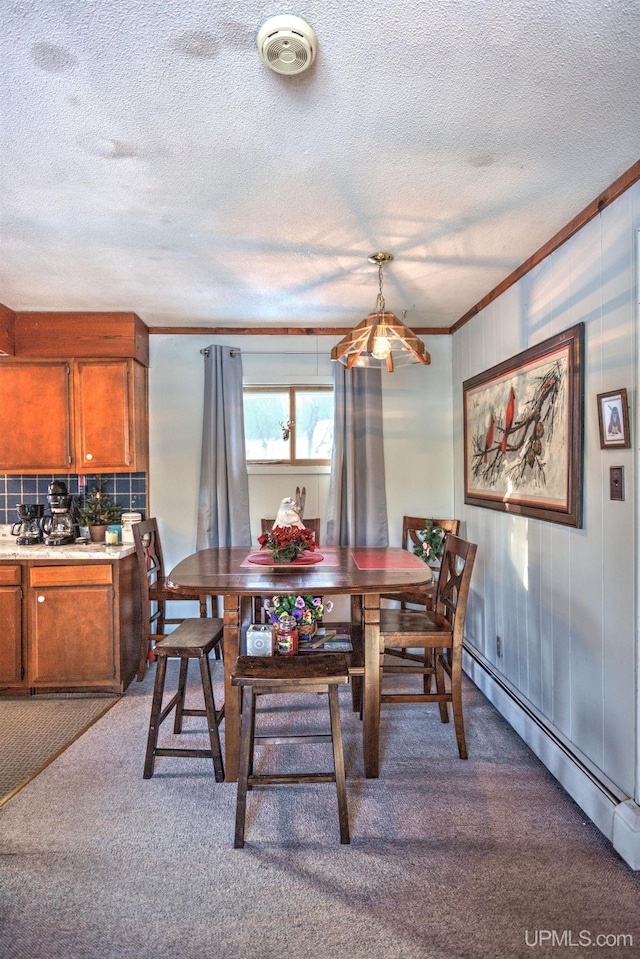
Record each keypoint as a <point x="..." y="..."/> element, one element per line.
<point x="613" y="416"/>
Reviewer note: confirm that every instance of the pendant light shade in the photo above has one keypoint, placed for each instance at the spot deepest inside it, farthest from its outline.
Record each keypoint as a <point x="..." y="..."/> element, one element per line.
<point x="381" y="339"/>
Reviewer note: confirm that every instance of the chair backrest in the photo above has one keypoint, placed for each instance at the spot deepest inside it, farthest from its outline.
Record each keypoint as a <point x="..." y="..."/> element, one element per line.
<point x="150" y="562"/>
<point x="412" y="525"/>
<point x="312" y="524"/>
<point x="453" y="583"/>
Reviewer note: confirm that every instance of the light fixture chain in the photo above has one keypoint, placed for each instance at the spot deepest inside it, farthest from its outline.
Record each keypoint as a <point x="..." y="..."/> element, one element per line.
<point x="380" y="298"/>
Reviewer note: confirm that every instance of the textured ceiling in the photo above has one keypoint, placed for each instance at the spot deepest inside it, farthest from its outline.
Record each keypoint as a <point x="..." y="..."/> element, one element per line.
<point x="151" y="162"/>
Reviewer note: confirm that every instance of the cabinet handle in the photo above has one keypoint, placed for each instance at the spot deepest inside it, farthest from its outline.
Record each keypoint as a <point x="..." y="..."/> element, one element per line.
<point x="41" y="599"/>
<point x="89" y="456"/>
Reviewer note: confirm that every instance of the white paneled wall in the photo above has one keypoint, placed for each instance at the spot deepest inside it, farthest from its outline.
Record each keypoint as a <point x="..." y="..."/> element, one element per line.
<point x="563" y="600"/>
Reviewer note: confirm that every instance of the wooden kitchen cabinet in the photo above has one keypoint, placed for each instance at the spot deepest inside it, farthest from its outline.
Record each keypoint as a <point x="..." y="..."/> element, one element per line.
<point x="81" y="416"/>
<point x="11" y="648"/>
<point x="110" y="407"/>
<point x="35" y="432"/>
<point x="69" y="626"/>
<point x="71" y="636"/>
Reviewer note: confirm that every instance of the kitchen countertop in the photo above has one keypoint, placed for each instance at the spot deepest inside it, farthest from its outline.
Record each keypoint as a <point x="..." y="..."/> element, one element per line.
<point x="10" y="550"/>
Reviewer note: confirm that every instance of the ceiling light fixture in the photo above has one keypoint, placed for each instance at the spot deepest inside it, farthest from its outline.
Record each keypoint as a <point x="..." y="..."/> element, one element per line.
<point x="381" y="339"/>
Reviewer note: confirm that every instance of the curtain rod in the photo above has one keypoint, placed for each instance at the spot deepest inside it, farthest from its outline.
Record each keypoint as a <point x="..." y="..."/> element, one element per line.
<point x="205" y="352"/>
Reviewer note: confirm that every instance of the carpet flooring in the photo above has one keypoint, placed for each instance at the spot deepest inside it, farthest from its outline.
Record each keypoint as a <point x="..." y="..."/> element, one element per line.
<point x="34" y="731"/>
<point x="483" y="859"/>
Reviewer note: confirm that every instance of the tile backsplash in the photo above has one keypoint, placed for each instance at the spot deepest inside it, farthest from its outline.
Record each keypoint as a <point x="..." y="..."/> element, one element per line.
<point x="129" y="490"/>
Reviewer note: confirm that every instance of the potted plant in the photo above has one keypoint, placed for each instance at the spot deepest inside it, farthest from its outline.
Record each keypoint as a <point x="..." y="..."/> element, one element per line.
<point x="285" y="543"/>
<point x="98" y="512"/>
<point x="306" y="610"/>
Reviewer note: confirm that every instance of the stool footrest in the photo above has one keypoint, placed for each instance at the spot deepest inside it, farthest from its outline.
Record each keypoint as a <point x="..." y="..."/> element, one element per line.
<point x="286" y="779"/>
<point x="189" y="753"/>
<point x="299" y="738"/>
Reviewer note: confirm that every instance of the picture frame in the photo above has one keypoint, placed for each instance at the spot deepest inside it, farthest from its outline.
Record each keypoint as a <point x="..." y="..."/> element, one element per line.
<point x="613" y="419"/>
<point x="523" y="432"/>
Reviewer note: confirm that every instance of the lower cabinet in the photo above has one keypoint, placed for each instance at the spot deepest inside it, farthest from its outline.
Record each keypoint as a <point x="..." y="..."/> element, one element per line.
<point x="71" y="641"/>
<point x="12" y="670"/>
<point x="72" y="626"/>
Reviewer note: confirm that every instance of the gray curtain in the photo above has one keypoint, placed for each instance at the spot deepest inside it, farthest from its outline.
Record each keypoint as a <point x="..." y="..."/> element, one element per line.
<point x="357" y="508"/>
<point x="223" y="506"/>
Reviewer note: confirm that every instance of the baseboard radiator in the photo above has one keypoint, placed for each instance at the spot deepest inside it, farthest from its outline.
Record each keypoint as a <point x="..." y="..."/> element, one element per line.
<point x="615" y="814"/>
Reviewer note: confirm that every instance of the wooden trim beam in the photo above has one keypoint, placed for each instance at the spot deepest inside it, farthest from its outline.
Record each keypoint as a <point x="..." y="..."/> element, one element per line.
<point x="7" y="330"/>
<point x="617" y="188"/>
<point x="277" y="330"/>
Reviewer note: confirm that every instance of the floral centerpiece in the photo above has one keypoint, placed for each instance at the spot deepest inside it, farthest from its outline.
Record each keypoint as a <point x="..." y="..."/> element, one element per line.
<point x="306" y="610"/>
<point x="285" y="543"/>
<point x="431" y="545"/>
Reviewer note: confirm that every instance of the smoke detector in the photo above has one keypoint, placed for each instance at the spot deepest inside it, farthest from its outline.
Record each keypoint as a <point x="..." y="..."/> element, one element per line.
<point x="287" y="44"/>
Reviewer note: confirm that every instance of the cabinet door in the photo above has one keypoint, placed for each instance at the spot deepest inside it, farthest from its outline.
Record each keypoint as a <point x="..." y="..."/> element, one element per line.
<point x="71" y="618"/>
<point x="35" y="428"/>
<point x="103" y="408"/>
<point x="11" y="671"/>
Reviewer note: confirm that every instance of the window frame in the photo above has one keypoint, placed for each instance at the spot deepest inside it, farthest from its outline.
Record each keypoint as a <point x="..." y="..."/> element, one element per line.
<point x="292" y="390"/>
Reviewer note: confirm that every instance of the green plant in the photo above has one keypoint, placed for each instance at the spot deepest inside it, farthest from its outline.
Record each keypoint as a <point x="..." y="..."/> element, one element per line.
<point x="98" y="508"/>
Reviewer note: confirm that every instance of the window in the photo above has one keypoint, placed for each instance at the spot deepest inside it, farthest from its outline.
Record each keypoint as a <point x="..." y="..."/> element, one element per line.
<point x="288" y="424"/>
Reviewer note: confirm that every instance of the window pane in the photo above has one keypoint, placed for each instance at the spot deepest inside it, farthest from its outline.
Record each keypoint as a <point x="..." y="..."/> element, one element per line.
<point x="314" y="424"/>
<point x="263" y="413"/>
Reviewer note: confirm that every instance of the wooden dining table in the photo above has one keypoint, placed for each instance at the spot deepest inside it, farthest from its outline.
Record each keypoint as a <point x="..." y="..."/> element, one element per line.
<point x="362" y="573"/>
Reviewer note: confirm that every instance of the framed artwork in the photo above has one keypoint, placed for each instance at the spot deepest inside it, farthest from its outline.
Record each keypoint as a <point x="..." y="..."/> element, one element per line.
<point x="613" y="417"/>
<point x="523" y="432"/>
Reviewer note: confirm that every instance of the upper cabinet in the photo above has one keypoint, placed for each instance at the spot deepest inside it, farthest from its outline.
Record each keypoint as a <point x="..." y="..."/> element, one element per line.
<point x="73" y="416"/>
<point x="35" y="430"/>
<point x="110" y="416"/>
<point x="86" y="414"/>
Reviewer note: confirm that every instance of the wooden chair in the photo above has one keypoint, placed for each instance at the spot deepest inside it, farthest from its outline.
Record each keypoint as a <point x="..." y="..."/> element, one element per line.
<point x="439" y="632"/>
<point x="420" y="596"/>
<point x="153" y="584"/>
<point x="261" y="675"/>
<point x="411" y="526"/>
<point x="192" y="639"/>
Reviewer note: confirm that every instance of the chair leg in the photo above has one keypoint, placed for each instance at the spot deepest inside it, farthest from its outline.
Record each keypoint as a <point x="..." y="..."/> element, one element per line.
<point x="212" y="722"/>
<point x="427" y="679"/>
<point x="440" y="686"/>
<point x="145" y="645"/>
<point x="338" y="762"/>
<point x="456" y="704"/>
<point x="154" y="723"/>
<point x="182" y="687"/>
<point x="245" y="762"/>
<point x="160" y="621"/>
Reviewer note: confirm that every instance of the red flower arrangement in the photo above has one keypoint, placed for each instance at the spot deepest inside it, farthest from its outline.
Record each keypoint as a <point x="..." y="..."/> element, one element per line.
<point x="286" y="542"/>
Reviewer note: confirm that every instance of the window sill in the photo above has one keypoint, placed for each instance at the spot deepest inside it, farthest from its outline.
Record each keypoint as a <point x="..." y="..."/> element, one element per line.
<point x="272" y="469"/>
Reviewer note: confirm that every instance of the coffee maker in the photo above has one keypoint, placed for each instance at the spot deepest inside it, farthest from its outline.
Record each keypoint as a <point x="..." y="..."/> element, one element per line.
<point x="59" y="526"/>
<point x="29" y="529"/>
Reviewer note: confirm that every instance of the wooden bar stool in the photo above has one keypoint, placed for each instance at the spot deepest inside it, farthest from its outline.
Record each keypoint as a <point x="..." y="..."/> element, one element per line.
<point x="193" y="639"/>
<point x="260" y="675"/>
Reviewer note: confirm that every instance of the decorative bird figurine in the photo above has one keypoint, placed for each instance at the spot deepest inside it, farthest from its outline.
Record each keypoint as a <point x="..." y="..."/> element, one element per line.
<point x="488" y="442"/>
<point x="287" y="514"/>
<point x="508" y="419"/>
